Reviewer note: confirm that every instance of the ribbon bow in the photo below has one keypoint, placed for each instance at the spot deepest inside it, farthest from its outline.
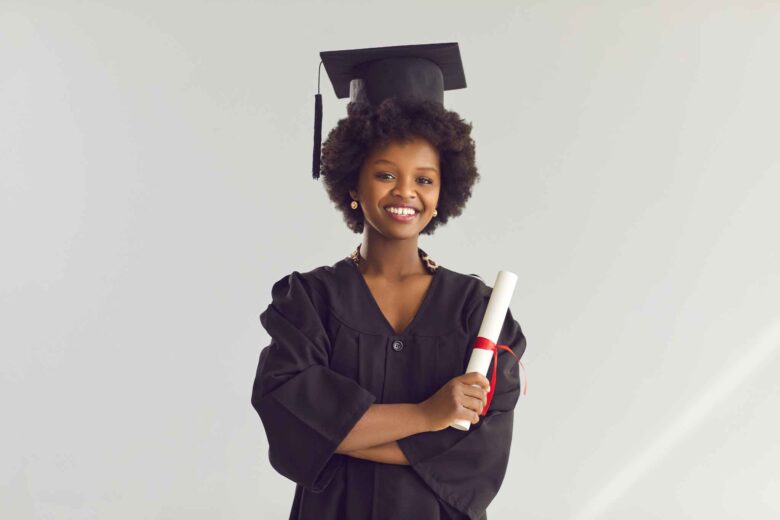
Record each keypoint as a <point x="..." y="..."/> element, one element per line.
<point x="486" y="344"/>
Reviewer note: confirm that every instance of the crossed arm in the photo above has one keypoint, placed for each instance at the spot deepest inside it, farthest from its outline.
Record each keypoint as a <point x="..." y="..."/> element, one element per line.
<point x="374" y="436"/>
<point x="388" y="453"/>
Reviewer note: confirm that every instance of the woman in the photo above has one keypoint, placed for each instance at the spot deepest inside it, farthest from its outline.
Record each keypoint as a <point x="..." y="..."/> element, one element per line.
<point x="365" y="370"/>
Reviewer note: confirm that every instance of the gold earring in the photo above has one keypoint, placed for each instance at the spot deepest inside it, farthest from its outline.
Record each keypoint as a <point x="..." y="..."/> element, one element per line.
<point x="435" y="213"/>
<point x="354" y="204"/>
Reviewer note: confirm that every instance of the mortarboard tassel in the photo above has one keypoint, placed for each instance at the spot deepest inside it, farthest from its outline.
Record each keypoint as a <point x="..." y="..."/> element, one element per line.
<point x="315" y="171"/>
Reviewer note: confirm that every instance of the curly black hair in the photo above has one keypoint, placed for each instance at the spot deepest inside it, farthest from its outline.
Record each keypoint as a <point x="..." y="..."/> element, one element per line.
<point x="399" y="119"/>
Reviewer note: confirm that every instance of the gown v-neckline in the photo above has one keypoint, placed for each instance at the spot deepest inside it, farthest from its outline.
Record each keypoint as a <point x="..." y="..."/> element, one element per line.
<point x="436" y="274"/>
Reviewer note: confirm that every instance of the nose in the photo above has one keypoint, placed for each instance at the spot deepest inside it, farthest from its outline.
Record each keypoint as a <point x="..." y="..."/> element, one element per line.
<point x="405" y="187"/>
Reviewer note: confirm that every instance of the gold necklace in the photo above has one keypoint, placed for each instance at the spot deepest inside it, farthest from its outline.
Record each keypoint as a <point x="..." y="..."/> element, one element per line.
<point x="429" y="263"/>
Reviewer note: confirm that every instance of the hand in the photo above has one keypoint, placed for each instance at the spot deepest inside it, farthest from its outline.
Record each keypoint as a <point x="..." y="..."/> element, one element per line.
<point x="457" y="399"/>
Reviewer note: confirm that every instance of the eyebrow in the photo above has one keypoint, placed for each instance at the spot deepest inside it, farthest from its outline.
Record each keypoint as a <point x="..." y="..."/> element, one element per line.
<point x="419" y="167"/>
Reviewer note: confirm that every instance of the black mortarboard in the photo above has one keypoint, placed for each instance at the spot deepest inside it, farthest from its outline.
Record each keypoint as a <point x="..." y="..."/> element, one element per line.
<point x="377" y="73"/>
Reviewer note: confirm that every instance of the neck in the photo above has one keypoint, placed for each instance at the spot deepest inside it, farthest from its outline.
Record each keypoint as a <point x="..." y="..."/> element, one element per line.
<point x="392" y="258"/>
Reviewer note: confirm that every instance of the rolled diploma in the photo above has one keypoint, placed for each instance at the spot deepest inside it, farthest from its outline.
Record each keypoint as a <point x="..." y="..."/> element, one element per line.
<point x="495" y="314"/>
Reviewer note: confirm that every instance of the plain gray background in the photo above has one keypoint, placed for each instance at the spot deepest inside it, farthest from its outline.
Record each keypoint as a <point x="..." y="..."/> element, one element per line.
<point x="155" y="180"/>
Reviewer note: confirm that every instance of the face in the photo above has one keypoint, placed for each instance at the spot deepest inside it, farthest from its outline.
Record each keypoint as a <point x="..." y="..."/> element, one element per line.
<point x="399" y="174"/>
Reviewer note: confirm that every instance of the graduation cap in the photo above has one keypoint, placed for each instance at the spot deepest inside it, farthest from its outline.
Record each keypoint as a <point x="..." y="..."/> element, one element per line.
<point x="374" y="74"/>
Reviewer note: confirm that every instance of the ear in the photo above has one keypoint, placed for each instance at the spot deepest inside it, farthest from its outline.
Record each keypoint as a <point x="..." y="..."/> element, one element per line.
<point x="353" y="194"/>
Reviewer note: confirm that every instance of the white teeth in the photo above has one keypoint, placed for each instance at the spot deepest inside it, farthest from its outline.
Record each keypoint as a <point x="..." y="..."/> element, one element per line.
<point x="401" y="211"/>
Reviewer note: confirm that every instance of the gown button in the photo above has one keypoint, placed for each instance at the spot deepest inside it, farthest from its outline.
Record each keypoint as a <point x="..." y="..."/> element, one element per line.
<point x="398" y="345"/>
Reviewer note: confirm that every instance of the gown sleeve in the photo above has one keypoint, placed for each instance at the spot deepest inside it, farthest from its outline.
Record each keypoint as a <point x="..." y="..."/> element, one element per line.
<point x="306" y="408"/>
<point x="466" y="469"/>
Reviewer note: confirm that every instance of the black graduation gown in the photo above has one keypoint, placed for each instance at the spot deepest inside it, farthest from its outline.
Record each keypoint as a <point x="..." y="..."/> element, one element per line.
<point x="332" y="355"/>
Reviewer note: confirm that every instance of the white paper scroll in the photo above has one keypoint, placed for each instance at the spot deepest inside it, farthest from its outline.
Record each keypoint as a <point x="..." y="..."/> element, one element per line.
<point x="495" y="314"/>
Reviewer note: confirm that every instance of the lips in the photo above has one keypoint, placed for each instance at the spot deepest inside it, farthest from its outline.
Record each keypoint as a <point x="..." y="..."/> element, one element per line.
<point x="402" y="218"/>
<point x="402" y="206"/>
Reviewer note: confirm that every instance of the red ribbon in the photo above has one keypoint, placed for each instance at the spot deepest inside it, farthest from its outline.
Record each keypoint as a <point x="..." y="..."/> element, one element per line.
<point x="486" y="344"/>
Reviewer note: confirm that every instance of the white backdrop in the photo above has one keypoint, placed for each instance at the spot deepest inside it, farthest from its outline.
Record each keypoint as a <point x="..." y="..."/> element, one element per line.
<point x="155" y="180"/>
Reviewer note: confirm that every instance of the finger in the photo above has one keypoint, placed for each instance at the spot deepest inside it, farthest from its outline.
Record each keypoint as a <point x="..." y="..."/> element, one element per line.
<point x="474" y="391"/>
<point x="476" y="378"/>
<point x="473" y="404"/>
<point x="466" y="413"/>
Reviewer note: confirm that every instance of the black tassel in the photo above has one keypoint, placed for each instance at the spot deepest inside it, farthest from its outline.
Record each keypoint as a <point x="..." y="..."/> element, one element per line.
<point x="315" y="171"/>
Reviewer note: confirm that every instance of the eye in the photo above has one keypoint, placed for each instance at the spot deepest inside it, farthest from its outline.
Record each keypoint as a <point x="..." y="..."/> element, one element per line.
<point x="383" y="175"/>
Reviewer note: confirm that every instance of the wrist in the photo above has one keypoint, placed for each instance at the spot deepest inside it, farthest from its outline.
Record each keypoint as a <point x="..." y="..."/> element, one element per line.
<point x="421" y="415"/>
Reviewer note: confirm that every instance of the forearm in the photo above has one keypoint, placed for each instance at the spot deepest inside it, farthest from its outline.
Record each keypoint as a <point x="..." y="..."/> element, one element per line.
<point x="382" y="424"/>
<point x="388" y="453"/>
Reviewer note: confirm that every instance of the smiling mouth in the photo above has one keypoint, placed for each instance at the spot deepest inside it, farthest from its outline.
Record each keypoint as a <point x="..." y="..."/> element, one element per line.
<point x="406" y="216"/>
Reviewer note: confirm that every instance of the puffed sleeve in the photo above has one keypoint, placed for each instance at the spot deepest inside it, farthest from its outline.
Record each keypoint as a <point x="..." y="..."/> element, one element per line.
<point x="306" y="408"/>
<point x="466" y="469"/>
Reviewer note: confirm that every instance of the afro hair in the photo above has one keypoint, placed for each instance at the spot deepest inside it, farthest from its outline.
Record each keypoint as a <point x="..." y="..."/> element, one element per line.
<point x="367" y="127"/>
